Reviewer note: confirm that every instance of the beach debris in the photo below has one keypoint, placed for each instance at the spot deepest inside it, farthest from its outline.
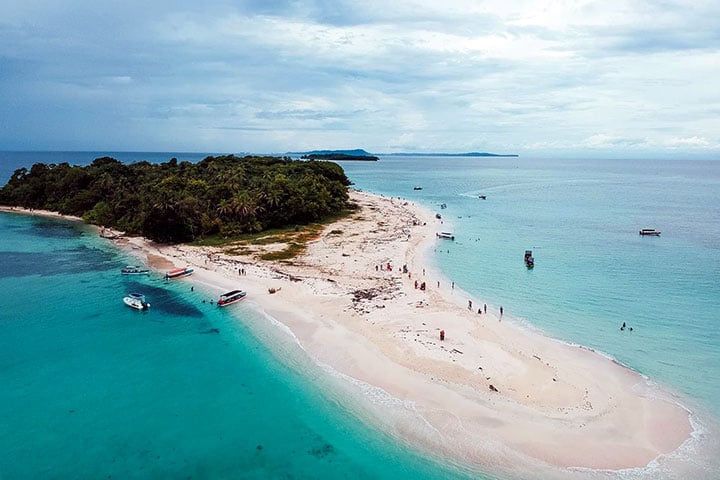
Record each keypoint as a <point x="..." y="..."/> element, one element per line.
<point x="290" y="277"/>
<point x="455" y="350"/>
<point x="272" y="290"/>
<point x="365" y="294"/>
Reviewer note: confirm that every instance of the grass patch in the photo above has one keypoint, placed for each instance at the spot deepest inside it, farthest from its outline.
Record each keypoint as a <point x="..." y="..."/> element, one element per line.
<point x="293" y="250"/>
<point x="238" y="250"/>
<point x="294" y="237"/>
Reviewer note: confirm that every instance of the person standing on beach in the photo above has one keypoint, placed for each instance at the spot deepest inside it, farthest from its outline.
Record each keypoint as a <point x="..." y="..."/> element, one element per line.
<point x="501" y="312"/>
<point x="484" y="307"/>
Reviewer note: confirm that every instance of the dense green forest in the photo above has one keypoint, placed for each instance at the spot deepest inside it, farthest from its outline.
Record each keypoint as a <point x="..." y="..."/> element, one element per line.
<point x="183" y="201"/>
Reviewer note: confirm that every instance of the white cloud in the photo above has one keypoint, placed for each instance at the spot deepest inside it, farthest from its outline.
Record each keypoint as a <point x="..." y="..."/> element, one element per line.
<point x="412" y="74"/>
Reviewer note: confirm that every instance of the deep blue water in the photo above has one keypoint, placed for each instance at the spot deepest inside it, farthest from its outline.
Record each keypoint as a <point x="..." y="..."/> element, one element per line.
<point x="104" y="390"/>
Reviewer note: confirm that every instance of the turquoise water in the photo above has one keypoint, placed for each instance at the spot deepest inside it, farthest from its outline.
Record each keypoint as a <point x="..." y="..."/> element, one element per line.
<point x="592" y="270"/>
<point x="93" y="389"/>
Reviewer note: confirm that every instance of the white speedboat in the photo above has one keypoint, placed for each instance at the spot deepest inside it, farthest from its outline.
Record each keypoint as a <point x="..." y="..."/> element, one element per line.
<point x="136" y="301"/>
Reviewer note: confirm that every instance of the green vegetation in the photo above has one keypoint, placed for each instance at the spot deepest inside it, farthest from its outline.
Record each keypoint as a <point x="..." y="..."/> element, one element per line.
<point x="217" y="198"/>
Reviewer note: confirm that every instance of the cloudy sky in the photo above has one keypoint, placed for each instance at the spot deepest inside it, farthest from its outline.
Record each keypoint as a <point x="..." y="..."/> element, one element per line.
<point x="617" y="78"/>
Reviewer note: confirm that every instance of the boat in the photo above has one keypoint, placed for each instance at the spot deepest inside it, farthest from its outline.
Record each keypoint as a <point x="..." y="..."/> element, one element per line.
<point x="650" y="232"/>
<point x="178" y="273"/>
<point x="231" y="297"/>
<point x="529" y="260"/>
<point x="134" y="270"/>
<point x="417" y="188"/>
<point x="136" y="301"/>
<point x="482" y="197"/>
<point x="447" y="235"/>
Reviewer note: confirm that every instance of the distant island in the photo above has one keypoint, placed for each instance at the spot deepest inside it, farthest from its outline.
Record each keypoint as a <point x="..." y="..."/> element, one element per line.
<point x="467" y="154"/>
<point x="339" y="155"/>
<point x="360" y="154"/>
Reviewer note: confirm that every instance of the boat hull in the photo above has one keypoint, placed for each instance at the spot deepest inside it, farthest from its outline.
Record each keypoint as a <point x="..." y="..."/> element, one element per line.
<point x="178" y="273"/>
<point x="231" y="297"/>
<point x="136" y="303"/>
<point x="133" y="270"/>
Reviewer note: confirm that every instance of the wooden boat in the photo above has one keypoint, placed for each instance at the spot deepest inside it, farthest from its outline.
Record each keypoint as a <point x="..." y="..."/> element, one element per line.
<point x="134" y="270"/>
<point x="447" y="235"/>
<point x="529" y="260"/>
<point x="178" y="273"/>
<point x="231" y="297"/>
<point x="136" y="301"/>
<point x="417" y="188"/>
<point x="482" y="197"/>
<point x="650" y="232"/>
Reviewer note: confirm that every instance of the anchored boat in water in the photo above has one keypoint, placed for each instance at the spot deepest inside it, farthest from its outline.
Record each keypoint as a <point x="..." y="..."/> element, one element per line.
<point x="136" y="301"/>
<point x="529" y="260"/>
<point x="649" y="232"/>
<point x="447" y="235"/>
<point x="231" y="297"/>
<point x="134" y="270"/>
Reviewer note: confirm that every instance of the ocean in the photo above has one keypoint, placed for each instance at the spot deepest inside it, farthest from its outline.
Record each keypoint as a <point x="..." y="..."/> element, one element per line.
<point x="92" y="389"/>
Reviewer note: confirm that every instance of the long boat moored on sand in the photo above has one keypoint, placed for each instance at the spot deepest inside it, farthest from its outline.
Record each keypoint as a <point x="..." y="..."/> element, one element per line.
<point x="231" y="297"/>
<point x="447" y="235"/>
<point x="178" y="273"/>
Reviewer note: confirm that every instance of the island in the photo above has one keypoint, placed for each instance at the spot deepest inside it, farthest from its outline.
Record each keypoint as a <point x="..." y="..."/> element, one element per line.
<point x="466" y="154"/>
<point x="357" y="154"/>
<point x="361" y="298"/>
<point x="363" y="155"/>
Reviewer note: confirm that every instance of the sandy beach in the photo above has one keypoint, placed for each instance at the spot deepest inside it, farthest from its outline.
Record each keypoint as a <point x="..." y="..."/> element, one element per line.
<point x="489" y="393"/>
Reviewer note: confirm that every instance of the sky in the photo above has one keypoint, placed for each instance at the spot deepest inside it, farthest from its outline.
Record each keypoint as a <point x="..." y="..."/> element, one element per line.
<point x="612" y="78"/>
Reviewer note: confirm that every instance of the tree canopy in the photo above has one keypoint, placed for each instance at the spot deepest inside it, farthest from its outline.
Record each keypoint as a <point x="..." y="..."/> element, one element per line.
<point x="183" y="201"/>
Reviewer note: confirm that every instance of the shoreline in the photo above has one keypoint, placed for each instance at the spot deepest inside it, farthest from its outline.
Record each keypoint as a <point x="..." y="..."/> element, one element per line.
<point x="565" y="406"/>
